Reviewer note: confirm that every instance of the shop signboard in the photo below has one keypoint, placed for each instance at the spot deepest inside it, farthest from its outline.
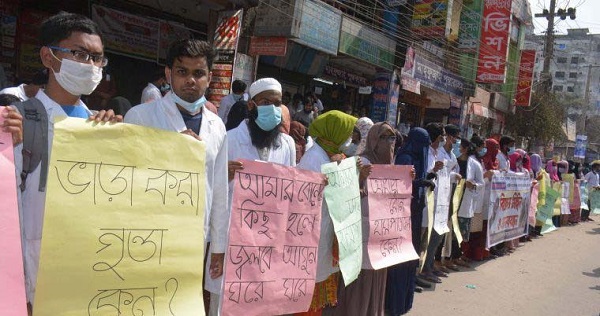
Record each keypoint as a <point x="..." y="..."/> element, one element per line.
<point x="268" y="46"/>
<point x="308" y="22"/>
<point x="380" y="89"/>
<point x="580" y="146"/>
<point x="523" y="93"/>
<point x="470" y="25"/>
<point x="394" y="96"/>
<point x="225" y="42"/>
<point x="243" y="69"/>
<point x="495" y="27"/>
<point x="436" y="77"/>
<point x="364" y="43"/>
<point x="430" y="18"/>
<point x="344" y="75"/>
<point x="126" y="33"/>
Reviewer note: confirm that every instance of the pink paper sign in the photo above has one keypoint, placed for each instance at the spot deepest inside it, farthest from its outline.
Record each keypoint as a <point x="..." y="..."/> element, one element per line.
<point x="271" y="258"/>
<point x="533" y="204"/>
<point x="390" y="234"/>
<point x="12" y="291"/>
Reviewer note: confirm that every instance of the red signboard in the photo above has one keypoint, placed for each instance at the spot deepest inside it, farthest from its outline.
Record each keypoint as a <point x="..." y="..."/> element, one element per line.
<point x="269" y="46"/>
<point x="495" y="27"/>
<point x="523" y="93"/>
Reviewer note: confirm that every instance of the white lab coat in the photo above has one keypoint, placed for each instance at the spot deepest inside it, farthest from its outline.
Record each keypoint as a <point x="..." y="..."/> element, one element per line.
<point x="32" y="201"/>
<point x="312" y="160"/>
<point x="151" y="93"/>
<point x="164" y="114"/>
<point x="471" y="197"/>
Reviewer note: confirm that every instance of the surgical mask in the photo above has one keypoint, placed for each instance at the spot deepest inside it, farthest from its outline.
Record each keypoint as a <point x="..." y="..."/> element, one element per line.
<point x="482" y="152"/>
<point x="269" y="117"/>
<point x="77" y="78"/>
<point x="349" y="148"/>
<point x="165" y="88"/>
<point x="191" y="107"/>
<point x="456" y="149"/>
<point x="511" y="150"/>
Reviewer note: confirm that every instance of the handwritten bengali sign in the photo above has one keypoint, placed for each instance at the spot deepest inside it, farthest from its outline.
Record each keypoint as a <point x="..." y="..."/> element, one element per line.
<point x="390" y="232"/>
<point x="271" y="259"/>
<point x="509" y="207"/>
<point x="594" y="201"/>
<point x="533" y="204"/>
<point x="545" y="212"/>
<point x="123" y="228"/>
<point x="342" y="195"/>
<point x="443" y="190"/>
<point x="12" y="291"/>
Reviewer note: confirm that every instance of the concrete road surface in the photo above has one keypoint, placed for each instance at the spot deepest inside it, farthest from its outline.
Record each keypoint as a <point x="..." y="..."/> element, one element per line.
<point x="558" y="274"/>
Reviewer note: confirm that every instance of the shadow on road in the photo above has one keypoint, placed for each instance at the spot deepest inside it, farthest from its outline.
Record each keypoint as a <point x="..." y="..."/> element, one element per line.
<point x="594" y="274"/>
<point x="597" y="288"/>
<point x="595" y="231"/>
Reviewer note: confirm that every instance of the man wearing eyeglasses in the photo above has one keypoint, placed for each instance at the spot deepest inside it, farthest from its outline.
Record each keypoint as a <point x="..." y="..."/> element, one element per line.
<point x="73" y="52"/>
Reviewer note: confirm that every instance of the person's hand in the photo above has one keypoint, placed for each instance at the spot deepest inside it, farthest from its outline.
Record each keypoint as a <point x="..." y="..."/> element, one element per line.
<point x="458" y="177"/>
<point x="469" y="184"/>
<point x="428" y="184"/>
<point x="216" y="265"/>
<point x="413" y="173"/>
<point x="106" y="116"/>
<point x="191" y="133"/>
<point x="365" y="171"/>
<point x="438" y="166"/>
<point x="489" y="174"/>
<point x="540" y="177"/>
<point x="431" y="176"/>
<point x="13" y="123"/>
<point x="232" y="167"/>
<point x="337" y="158"/>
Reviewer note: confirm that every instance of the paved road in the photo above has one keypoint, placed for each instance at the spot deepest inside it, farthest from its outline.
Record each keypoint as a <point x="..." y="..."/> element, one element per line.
<point x="558" y="274"/>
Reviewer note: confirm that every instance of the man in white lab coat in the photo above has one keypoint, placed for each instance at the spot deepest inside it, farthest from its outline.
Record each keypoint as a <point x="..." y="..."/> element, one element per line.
<point x="183" y="110"/>
<point x="155" y="89"/>
<point x="238" y="88"/>
<point x="72" y="50"/>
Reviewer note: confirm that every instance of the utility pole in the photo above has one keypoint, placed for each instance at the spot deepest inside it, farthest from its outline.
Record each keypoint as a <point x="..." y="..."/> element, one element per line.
<point x="545" y="76"/>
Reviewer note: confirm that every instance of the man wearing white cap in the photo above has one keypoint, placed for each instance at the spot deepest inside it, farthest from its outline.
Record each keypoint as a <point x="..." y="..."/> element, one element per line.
<point x="256" y="138"/>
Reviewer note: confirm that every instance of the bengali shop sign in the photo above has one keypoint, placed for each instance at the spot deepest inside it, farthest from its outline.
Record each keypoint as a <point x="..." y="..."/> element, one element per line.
<point x="523" y="93"/>
<point x="470" y="25"/>
<point x="430" y="18"/>
<point x="225" y="42"/>
<point x="509" y="207"/>
<point x="495" y="27"/>
<point x="269" y="46"/>
<point x="389" y="223"/>
<point x="127" y="34"/>
<point x="271" y="258"/>
<point x="436" y="77"/>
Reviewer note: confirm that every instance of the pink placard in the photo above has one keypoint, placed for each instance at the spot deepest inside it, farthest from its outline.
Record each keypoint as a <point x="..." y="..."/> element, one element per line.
<point x="390" y="234"/>
<point x="12" y="291"/>
<point x="533" y="204"/>
<point x="271" y="258"/>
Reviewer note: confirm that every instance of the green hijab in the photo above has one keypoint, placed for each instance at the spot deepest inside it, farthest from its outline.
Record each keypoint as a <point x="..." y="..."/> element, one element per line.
<point x="332" y="129"/>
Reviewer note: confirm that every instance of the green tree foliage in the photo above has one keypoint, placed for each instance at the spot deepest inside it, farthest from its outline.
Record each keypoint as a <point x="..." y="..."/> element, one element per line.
<point x="541" y="122"/>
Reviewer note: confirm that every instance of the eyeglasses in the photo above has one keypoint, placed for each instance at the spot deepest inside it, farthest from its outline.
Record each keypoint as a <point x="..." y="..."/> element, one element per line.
<point x="83" y="56"/>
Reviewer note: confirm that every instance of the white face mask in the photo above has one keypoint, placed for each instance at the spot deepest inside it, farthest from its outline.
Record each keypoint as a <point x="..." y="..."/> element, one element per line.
<point x="78" y="78"/>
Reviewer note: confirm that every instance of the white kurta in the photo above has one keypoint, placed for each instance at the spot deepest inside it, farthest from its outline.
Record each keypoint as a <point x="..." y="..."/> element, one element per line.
<point x="32" y="201"/>
<point x="164" y="114"/>
<point x="239" y="146"/>
<point x="471" y="197"/>
<point x="151" y="93"/>
<point x="312" y="160"/>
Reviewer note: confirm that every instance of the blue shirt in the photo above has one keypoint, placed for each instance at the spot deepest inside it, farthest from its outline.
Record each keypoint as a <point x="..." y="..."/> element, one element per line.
<point x="75" y="111"/>
<point x="192" y="122"/>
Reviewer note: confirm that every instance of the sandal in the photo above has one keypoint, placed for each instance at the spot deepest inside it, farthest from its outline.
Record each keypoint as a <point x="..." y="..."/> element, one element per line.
<point x="430" y="278"/>
<point x="440" y="273"/>
<point x="452" y="267"/>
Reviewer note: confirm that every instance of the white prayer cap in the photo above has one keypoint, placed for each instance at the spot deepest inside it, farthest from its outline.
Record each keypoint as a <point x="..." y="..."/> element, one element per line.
<point x="264" y="84"/>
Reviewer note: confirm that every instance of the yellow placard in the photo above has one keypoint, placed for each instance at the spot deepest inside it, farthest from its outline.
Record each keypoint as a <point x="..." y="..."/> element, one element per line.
<point x="124" y="222"/>
<point x="456" y="199"/>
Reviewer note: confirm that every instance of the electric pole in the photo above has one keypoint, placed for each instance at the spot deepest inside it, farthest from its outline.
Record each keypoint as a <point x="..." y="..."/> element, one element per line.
<point x="545" y="76"/>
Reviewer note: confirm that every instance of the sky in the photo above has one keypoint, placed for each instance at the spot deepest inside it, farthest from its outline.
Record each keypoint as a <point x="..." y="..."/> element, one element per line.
<point x="588" y="15"/>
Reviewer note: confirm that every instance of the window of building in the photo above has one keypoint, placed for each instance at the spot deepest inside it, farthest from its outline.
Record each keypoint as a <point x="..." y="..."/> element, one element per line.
<point x="559" y="74"/>
<point x="561" y="60"/>
<point x="573" y="75"/>
<point x="570" y="89"/>
<point x="558" y="88"/>
<point x="574" y="60"/>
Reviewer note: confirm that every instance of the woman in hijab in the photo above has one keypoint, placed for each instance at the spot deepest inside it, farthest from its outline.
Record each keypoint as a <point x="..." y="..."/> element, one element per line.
<point x="329" y="131"/>
<point x="366" y="295"/>
<point x="536" y="164"/>
<point x="363" y="125"/>
<point x="401" y="278"/>
<point x="552" y="170"/>
<point x="298" y="133"/>
<point x="477" y="240"/>
<point x="516" y="162"/>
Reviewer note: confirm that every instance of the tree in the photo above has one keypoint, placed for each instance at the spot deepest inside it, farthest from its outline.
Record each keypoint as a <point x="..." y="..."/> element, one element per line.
<point x="541" y="122"/>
